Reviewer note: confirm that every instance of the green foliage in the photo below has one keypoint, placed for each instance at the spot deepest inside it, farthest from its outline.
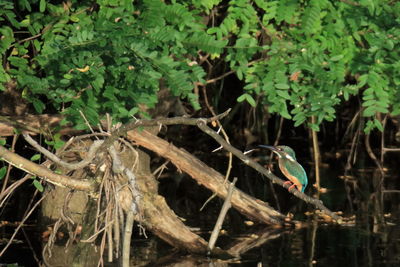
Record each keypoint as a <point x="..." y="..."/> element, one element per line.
<point x="3" y="171"/>
<point x="108" y="57"/>
<point x="37" y="184"/>
<point x="56" y="142"/>
<point x="299" y="58"/>
<point x="309" y="56"/>
<point x="35" y="157"/>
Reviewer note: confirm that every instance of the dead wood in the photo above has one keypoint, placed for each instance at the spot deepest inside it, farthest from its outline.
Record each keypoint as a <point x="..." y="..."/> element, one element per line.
<point x="33" y="124"/>
<point x="44" y="173"/>
<point x="155" y="214"/>
<point x="249" y="206"/>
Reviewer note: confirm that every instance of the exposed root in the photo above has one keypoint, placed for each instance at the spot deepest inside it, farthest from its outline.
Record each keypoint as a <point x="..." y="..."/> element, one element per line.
<point x="116" y="196"/>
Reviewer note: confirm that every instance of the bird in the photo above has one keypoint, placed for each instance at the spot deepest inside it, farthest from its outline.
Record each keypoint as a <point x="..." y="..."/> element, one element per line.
<point x="290" y="167"/>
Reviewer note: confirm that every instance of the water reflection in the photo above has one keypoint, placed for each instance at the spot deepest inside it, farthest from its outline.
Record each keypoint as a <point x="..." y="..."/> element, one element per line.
<point x="334" y="246"/>
<point x="310" y="246"/>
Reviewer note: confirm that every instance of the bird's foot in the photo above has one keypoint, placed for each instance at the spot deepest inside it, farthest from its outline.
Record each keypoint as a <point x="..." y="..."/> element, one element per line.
<point x="292" y="185"/>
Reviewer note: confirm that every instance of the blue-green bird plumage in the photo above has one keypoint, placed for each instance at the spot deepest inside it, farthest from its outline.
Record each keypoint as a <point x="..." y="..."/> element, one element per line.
<point x="289" y="165"/>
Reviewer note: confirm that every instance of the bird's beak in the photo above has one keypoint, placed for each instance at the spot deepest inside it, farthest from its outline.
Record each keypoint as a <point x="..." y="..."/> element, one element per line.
<point x="269" y="147"/>
<point x="272" y="148"/>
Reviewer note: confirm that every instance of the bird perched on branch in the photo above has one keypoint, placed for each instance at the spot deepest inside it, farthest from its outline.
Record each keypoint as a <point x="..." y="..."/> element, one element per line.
<point x="290" y="167"/>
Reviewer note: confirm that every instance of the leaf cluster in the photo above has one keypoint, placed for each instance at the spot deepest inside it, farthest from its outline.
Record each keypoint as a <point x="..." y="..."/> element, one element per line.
<point x="303" y="58"/>
<point x="104" y="57"/>
<point x="298" y="58"/>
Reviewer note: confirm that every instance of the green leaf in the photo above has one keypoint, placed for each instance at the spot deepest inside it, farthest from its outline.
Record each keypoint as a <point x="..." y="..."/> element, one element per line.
<point x="2" y="141"/>
<point x="241" y="98"/>
<point x="58" y="143"/>
<point x="35" y="157"/>
<point x="38" y="185"/>
<point x="68" y="76"/>
<point x="282" y="86"/>
<point x="284" y="112"/>
<point x="38" y="105"/>
<point x="251" y="101"/>
<point x="42" y="6"/>
<point x="314" y="127"/>
<point x="378" y="125"/>
<point x="3" y="171"/>
<point x="299" y="118"/>
<point x="369" y="111"/>
<point x="336" y="58"/>
<point x="284" y="94"/>
<point x="369" y="126"/>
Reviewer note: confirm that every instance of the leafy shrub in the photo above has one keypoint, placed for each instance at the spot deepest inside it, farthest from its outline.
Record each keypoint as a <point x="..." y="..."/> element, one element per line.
<point x="300" y="58"/>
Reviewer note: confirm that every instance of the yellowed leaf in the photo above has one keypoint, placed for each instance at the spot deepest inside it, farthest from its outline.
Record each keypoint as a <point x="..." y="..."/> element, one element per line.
<point x="85" y="69"/>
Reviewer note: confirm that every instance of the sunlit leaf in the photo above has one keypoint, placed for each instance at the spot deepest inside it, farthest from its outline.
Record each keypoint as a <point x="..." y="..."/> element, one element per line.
<point x="38" y="185"/>
<point x="35" y="157"/>
<point x="378" y="125"/>
<point x="282" y="86"/>
<point x="250" y="100"/>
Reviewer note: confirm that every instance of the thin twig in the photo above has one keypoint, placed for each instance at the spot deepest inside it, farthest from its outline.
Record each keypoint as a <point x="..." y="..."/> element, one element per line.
<point x="228" y="170"/>
<point x="9" y="190"/>
<point x="70" y="166"/>
<point x="218" y="225"/>
<point x="122" y="131"/>
<point x="276" y="142"/>
<point x="127" y="238"/>
<point x="383" y="140"/>
<point x="87" y="122"/>
<point x="248" y="161"/>
<point x="21" y="224"/>
<point x="317" y="156"/>
<point x="119" y="168"/>
<point x="5" y="181"/>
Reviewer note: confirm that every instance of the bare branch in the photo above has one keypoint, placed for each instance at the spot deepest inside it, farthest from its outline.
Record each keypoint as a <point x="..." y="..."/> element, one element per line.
<point x="247" y="160"/>
<point x="123" y="130"/>
<point x="70" y="166"/>
<point x="44" y="173"/>
<point x="224" y="210"/>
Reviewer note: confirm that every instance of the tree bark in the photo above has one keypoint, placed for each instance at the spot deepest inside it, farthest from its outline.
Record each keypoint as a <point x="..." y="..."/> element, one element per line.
<point x="249" y="206"/>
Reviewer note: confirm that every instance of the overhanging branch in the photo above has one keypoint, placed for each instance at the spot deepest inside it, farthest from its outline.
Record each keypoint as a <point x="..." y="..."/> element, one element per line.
<point x="248" y="161"/>
<point x="44" y="173"/>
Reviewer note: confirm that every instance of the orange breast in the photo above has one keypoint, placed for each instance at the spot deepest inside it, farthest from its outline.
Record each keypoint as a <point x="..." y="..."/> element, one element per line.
<point x="291" y="178"/>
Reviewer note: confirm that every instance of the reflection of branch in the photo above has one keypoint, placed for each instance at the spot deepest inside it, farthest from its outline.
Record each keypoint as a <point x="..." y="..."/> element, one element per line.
<point x="247" y="160"/>
<point x="44" y="173"/>
<point x="253" y="240"/>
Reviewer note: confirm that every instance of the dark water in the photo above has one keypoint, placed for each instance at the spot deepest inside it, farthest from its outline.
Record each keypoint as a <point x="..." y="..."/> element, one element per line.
<point x="312" y="246"/>
<point x="361" y="243"/>
<point x="332" y="246"/>
<point x="316" y="245"/>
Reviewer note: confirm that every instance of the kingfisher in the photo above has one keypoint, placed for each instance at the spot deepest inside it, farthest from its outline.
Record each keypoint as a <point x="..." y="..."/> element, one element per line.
<point x="290" y="167"/>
